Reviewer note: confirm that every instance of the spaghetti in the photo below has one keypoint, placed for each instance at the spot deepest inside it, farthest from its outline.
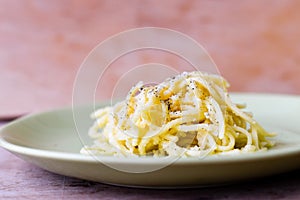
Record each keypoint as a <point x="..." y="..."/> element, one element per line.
<point x="188" y="115"/>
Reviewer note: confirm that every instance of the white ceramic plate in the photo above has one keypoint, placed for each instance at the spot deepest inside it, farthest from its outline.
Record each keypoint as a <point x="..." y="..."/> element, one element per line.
<point x="50" y="141"/>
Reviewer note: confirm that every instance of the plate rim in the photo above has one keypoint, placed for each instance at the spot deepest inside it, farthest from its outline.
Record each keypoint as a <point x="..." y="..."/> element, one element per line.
<point x="77" y="157"/>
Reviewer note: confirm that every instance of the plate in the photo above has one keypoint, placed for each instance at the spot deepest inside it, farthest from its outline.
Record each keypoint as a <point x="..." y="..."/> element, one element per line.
<point x="50" y="141"/>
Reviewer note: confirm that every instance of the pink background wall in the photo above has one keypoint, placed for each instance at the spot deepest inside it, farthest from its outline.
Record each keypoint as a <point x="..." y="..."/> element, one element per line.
<point x="42" y="43"/>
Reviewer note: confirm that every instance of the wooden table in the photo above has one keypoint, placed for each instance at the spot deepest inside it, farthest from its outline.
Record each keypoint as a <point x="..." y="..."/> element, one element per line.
<point x="21" y="180"/>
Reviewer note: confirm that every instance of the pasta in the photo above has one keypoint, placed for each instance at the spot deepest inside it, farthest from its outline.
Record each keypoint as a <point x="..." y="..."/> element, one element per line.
<point x="187" y="115"/>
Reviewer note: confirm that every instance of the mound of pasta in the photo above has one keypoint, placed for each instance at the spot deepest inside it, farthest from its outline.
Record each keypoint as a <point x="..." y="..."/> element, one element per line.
<point x="188" y="115"/>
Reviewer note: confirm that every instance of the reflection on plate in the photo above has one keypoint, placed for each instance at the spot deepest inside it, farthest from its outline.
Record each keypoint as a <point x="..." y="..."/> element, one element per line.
<point x="50" y="141"/>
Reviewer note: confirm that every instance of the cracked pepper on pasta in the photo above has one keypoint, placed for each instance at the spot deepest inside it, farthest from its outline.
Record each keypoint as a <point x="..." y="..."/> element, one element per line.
<point x="188" y="115"/>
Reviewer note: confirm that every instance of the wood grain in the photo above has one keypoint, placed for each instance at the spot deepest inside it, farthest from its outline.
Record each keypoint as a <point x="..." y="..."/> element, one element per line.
<point x="20" y="180"/>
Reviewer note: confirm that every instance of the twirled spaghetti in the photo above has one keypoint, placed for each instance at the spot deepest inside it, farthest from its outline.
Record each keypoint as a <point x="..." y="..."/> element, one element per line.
<point x="187" y="115"/>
